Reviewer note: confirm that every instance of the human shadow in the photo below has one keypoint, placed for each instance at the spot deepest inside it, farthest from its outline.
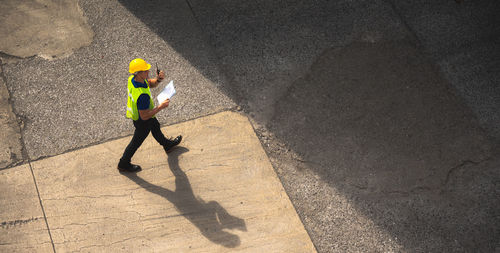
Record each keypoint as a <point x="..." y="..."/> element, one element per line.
<point x="351" y="95"/>
<point x="209" y="217"/>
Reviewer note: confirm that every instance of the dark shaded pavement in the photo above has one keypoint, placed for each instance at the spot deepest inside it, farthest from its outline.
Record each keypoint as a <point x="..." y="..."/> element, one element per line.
<point x="380" y="117"/>
<point x="360" y="93"/>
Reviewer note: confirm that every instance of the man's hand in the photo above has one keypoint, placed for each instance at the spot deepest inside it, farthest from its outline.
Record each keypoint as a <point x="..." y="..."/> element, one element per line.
<point x="148" y="113"/>
<point x="153" y="83"/>
<point x="160" y="76"/>
<point x="164" y="104"/>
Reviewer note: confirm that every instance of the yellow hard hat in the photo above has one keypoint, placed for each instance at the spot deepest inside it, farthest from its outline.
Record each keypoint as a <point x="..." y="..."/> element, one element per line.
<point x="137" y="65"/>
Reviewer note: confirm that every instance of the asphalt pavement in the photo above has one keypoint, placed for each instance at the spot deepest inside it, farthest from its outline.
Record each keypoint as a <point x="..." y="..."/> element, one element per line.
<point x="381" y="118"/>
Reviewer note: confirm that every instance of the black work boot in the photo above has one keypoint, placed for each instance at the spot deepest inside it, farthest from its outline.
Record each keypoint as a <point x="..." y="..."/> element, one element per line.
<point x="128" y="167"/>
<point x="172" y="143"/>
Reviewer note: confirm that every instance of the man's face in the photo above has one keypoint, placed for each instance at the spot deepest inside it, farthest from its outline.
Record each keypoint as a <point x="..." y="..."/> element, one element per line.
<point x="143" y="74"/>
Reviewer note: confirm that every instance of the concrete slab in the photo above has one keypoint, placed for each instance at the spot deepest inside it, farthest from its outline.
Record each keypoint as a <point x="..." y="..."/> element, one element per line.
<point x="22" y="225"/>
<point x="216" y="193"/>
<point x="10" y="136"/>
<point x="43" y="27"/>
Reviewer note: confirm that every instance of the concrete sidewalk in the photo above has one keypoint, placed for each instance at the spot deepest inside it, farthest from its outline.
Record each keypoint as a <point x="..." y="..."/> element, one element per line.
<point x="216" y="193"/>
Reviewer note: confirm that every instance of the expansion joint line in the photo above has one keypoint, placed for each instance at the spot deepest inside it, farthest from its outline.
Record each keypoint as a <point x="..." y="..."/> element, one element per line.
<point x="25" y="154"/>
<point x="192" y="12"/>
<point x="401" y="17"/>
<point x="41" y="205"/>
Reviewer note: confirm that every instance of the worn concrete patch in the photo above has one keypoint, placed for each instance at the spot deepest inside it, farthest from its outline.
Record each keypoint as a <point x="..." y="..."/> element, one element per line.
<point x="377" y="124"/>
<point x="263" y="46"/>
<point x="46" y="28"/>
<point x="10" y="136"/>
<point x="22" y="226"/>
<point x="216" y="193"/>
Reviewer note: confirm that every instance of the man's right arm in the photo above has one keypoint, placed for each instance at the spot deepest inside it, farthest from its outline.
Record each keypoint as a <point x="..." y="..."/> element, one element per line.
<point x="149" y="113"/>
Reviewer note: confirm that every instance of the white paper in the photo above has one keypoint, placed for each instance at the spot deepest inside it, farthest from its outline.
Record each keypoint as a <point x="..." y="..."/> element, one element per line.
<point x="167" y="92"/>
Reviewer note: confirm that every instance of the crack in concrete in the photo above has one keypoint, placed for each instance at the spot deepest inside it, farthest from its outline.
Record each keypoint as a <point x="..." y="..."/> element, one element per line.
<point x="8" y="224"/>
<point x="412" y="32"/>
<point x="463" y="164"/>
<point x="419" y="189"/>
<point x="6" y="58"/>
<point x="88" y="223"/>
<point x="20" y="123"/>
<point x="90" y="197"/>
<point x="104" y="245"/>
<point x="9" y="57"/>
<point x="413" y="190"/>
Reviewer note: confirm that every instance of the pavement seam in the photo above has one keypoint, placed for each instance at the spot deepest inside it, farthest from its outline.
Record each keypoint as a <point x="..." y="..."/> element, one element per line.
<point x="278" y="176"/>
<point x="401" y="17"/>
<point x="29" y="160"/>
<point x="25" y="155"/>
<point x="192" y="12"/>
<point x="7" y="56"/>
<point x="41" y="205"/>
<point x="20" y="120"/>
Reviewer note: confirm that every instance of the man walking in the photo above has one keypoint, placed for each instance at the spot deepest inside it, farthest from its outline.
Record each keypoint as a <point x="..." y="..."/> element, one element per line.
<point x="141" y="109"/>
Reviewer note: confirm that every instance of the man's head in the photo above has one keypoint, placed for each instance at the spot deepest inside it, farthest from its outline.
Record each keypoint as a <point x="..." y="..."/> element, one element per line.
<point x="139" y="67"/>
<point x="141" y="75"/>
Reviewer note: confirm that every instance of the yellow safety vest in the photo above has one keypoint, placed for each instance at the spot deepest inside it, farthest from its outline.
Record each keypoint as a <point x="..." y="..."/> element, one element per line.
<point x="133" y="95"/>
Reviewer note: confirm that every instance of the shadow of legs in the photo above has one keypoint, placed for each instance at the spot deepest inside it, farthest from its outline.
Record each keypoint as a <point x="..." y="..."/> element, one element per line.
<point x="210" y="218"/>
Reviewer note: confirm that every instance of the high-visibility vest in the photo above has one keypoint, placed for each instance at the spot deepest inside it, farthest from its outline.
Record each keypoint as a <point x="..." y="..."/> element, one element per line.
<point x="133" y="95"/>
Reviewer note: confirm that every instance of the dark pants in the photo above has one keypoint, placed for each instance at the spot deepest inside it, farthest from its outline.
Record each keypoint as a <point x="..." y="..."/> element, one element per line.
<point x="142" y="129"/>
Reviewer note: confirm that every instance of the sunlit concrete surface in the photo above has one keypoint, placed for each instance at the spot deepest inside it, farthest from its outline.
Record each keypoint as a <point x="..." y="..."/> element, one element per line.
<point x="216" y="193"/>
<point x="22" y="224"/>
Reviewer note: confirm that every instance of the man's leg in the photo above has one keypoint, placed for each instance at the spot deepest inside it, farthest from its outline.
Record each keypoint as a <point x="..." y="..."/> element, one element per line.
<point x="160" y="138"/>
<point x="156" y="131"/>
<point x="141" y="132"/>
